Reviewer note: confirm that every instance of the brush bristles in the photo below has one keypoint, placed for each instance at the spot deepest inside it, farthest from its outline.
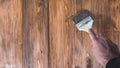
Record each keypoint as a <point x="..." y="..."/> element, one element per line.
<point x="80" y="16"/>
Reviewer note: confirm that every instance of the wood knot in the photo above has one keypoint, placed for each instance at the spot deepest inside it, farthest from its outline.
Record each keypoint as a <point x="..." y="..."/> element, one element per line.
<point x="40" y="3"/>
<point x="40" y="6"/>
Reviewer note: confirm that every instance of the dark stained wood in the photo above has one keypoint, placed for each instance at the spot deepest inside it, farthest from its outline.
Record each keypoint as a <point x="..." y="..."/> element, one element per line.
<point x="35" y="34"/>
<point x="10" y="34"/>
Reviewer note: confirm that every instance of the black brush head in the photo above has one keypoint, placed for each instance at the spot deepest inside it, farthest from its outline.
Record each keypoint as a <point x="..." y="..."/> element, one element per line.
<point x="82" y="14"/>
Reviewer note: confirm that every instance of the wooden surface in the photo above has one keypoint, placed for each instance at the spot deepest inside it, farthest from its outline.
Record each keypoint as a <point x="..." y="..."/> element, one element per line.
<point x="35" y="34"/>
<point x="10" y="34"/>
<point x="41" y="34"/>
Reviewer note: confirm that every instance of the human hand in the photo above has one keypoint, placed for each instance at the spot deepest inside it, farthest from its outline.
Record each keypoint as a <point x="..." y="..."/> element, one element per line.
<point x="103" y="48"/>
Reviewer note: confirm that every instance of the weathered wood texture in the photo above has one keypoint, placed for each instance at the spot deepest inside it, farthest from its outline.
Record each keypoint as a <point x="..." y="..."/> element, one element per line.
<point x="41" y="34"/>
<point x="61" y="33"/>
<point x="10" y="34"/>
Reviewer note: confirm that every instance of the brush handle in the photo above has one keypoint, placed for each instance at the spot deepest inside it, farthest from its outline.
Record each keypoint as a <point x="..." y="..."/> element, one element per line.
<point x="92" y="34"/>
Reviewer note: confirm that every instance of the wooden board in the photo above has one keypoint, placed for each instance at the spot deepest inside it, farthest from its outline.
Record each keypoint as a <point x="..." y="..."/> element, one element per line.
<point x="10" y="34"/>
<point x="35" y="34"/>
<point x="61" y="33"/>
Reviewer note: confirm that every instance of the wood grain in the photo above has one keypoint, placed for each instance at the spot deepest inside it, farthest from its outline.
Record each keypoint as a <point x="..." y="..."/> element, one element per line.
<point x="10" y="34"/>
<point x="82" y="47"/>
<point x="35" y="34"/>
<point x="41" y="34"/>
<point x="61" y="33"/>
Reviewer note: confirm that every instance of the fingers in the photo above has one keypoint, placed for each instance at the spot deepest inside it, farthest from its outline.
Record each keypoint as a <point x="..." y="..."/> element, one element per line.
<point x="92" y="35"/>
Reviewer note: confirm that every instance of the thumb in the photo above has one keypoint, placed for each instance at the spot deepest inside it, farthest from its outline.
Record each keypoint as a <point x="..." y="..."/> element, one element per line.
<point x="92" y="35"/>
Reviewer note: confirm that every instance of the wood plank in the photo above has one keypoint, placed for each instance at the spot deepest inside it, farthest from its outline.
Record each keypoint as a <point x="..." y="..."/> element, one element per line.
<point x="78" y="47"/>
<point x="10" y="34"/>
<point x="61" y="33"/>
<point x="35" y="33"/>
<point x="83" y="57"/>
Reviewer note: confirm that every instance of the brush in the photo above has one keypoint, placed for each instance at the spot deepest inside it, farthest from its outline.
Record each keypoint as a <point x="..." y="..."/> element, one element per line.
<point x="83" y="20"/>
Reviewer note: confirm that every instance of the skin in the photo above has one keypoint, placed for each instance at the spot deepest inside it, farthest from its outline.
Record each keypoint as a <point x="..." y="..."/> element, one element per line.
<point x="103" y="48"/>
